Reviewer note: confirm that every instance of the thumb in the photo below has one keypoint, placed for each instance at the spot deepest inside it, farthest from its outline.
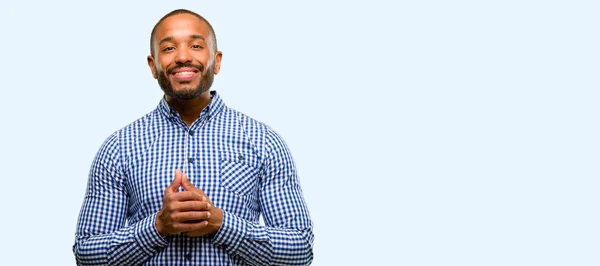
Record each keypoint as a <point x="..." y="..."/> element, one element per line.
<point x="185" y="182"/>
<point x="188" y="186"/>
<point x="175" y="184"/>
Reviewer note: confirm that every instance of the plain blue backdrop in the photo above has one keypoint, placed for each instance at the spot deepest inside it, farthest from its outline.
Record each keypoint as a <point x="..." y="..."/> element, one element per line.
<point x="425" y="132"/>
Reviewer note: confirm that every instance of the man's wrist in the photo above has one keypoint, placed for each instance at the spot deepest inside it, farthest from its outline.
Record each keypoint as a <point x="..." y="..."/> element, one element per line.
<point x="158" y="225"/>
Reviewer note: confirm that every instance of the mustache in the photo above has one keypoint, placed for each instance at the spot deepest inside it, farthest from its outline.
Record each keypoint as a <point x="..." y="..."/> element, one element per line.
<point x="181" y="65"/>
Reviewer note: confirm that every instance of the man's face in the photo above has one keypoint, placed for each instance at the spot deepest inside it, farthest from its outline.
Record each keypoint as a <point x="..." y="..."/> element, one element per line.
<point x="183" y="62"/>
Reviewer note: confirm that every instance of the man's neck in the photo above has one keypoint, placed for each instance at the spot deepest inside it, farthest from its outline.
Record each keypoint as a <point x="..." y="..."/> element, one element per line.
<point x="189" y="110"/>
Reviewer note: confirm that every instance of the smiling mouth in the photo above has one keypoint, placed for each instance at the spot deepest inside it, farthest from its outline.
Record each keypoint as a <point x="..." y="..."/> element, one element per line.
<point x="186" y="74"/>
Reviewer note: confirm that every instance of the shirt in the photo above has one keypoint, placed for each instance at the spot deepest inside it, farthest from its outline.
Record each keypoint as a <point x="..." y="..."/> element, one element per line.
<point x="242" y="165"/>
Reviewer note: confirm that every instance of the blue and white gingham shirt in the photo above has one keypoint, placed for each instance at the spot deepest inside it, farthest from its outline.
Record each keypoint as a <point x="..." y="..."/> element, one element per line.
<point x="242" y="165"/>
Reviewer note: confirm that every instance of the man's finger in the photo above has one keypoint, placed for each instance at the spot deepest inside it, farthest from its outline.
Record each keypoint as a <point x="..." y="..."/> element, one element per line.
<point x="175" y="184"/>
<point x="187" y="185"/>
<point x="187" y="227"/>
<point x="191" y="216"/>
<point x="192" y="205"/>
<point x="186" y="196"/>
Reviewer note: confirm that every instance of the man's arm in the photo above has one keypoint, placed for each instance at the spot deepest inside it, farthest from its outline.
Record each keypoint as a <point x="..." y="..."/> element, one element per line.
<point x="287" y="237"/>
<point x="102" y="237"/>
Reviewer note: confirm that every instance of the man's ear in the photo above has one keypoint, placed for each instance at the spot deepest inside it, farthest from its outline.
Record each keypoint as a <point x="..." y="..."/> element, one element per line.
<point x="218" y="57"/>
<point x="152" y="66"/>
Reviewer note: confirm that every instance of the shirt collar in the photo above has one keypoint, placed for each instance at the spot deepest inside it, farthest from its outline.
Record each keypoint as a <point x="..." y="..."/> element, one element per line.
<point x="215" y="106"/>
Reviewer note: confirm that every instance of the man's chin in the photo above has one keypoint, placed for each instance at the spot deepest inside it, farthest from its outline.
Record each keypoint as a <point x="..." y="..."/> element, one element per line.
<point x="184" y="93"/>
<point x="184" y="90"/>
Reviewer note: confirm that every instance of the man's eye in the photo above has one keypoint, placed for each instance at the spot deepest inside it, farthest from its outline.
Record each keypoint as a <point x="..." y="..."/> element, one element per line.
<point x="196" y="46"/>
<point x="168" y="48"/>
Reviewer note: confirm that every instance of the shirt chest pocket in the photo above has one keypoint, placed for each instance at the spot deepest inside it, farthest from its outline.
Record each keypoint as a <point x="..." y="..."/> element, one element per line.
<point x="239" y="173"/>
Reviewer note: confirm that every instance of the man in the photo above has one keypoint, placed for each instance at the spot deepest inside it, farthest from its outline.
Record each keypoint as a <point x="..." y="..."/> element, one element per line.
<point x="187" y="183"/>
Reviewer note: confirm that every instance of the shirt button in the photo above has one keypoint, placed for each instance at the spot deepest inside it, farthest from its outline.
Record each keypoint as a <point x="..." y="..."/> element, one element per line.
<point x="190" y="160"/>
<point x="191" y="132"/>
<point x="188" y="256"/>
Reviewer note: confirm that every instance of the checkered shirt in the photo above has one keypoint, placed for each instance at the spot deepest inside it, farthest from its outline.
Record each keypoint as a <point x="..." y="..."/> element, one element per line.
<point x="242" y="165"/>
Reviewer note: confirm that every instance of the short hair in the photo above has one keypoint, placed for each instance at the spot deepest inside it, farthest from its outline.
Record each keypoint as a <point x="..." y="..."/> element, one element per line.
<point x="212" y="39"/>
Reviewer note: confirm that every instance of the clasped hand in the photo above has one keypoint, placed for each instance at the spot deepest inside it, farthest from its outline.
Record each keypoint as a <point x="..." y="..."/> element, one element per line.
<point x="189" y="211"/>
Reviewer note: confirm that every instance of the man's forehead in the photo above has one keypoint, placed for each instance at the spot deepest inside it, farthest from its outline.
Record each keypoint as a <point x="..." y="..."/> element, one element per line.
<point x="185" y="24"/>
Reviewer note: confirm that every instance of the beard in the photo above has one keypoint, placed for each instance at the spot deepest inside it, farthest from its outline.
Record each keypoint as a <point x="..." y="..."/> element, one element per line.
<point x="186" y="93"/>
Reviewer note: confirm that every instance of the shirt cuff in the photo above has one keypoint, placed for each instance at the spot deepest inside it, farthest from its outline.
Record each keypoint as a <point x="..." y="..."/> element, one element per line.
<point x="231" y="233"/>
<point x="148" y="237"/>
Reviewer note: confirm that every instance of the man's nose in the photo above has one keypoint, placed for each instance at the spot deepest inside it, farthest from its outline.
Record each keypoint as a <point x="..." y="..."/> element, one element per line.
<point x="183" y="56"/>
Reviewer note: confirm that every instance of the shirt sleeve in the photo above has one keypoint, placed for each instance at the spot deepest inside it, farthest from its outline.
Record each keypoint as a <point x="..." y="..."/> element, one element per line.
<point x="287" y="237"/>
<point x="103" y="236"/>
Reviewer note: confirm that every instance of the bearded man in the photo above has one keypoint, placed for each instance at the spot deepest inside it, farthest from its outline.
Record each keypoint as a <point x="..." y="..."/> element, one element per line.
<point x="187" y="183"/>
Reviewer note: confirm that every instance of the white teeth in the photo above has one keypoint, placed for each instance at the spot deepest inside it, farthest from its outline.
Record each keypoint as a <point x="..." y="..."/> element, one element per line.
<point x="184" y="73"/>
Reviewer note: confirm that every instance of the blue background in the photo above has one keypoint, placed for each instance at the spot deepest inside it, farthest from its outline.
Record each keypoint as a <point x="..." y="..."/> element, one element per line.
<point x="425" y="132"/>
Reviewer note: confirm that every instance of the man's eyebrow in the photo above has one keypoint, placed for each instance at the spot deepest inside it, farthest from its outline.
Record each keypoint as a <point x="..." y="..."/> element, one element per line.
<point x="166" y="39"/>
<point x="193" y="37"/>
<point x="196" y="36"/>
